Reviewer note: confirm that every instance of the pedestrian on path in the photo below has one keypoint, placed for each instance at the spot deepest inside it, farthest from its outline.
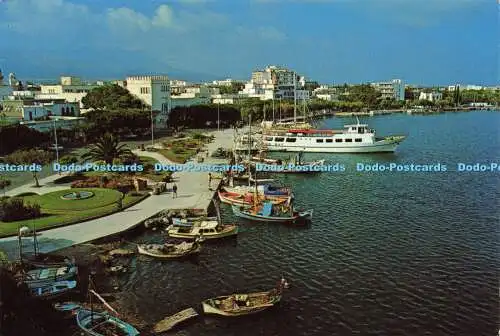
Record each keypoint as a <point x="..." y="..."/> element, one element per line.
<point x="174" y="189"/>
<point x="209" y="181"/>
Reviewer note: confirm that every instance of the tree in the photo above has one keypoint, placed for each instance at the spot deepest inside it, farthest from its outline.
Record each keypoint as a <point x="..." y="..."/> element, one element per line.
<point x="107" y="148"/>
<point x="68" y="159"/>
<point x="4" y="184"/>
<point x="111" y="97"/>
<point x="364" y="93"/>
<point x="123" y="121"/>
<point x="14" y="137"/>
<point x="30" y="157"/>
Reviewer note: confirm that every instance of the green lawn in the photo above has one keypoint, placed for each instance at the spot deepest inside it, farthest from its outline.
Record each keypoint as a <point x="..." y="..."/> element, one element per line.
<point x="60" y="212"/>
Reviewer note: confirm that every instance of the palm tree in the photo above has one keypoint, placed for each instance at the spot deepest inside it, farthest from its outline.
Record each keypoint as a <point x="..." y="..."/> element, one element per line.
<point x="107" y="148"/>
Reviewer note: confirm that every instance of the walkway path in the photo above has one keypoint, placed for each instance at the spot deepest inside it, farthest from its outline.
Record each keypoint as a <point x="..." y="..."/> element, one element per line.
<point x="192" y="192"/>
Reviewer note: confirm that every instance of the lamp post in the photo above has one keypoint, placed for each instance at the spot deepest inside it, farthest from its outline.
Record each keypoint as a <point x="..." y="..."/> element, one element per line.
<point x="55" y="139"/>
<point x="152" y="126"/>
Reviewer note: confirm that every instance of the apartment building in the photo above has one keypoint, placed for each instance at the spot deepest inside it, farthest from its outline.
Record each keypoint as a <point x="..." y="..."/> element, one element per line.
<point x="274" y="83"/>
<point x="431" y="96"/>
<point x="393" y="89"/>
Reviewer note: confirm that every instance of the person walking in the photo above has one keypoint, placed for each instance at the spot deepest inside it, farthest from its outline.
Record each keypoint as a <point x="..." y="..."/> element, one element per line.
<point x="174" y="189"/>
<point x="209" y="181"/>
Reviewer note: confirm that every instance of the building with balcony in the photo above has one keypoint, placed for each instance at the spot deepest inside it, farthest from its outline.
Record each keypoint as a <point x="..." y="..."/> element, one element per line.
<point x="393" y="89"/>
<point x="275" y="83"/>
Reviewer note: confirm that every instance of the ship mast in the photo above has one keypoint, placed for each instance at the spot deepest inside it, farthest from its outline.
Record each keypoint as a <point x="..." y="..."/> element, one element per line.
<point x="294" y="98"/>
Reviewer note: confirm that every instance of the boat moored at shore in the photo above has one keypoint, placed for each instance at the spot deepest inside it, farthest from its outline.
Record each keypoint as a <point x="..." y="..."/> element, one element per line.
<point x="356" y="138"/>
<point x="244" y="304"/>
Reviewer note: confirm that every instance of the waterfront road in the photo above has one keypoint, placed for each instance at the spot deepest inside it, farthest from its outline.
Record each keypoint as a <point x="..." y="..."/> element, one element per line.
<point x="193" y="192"/>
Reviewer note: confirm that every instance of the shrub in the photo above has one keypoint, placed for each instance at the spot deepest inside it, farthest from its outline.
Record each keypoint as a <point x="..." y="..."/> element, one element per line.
<point x="135" y="194"/>
<point x="167" y="177"/>
<point x="14" y="209"/>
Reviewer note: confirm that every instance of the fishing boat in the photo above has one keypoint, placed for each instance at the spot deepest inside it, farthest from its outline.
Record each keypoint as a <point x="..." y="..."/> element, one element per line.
<point x="292" y="165"/>
<point x="205" y="229"/>
<point x="266" y="190"/>
<point x="101" y="324"/>
<point x="53" y="290"/>
<point x="41" y="260"/>
<point x="268" y="212"/>
<point x="169" y="251"/>
<point x="42" y="276"/>
<point x="244" y="304"/>
<point x="190" y="221"/>
<point x="234" y="198"/>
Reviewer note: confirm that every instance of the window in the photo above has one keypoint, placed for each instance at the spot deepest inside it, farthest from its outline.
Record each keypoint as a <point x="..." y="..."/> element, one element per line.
<point x="291" y="139"/>
<point x="358" y="140"/>
<point x="338" y="140"/>
<point x="319" y="140"/>
<point x="328" y="140"/>
<point x="279" y="139"/>
<point x="348" y="140"/>
<point x="72" y="111"/>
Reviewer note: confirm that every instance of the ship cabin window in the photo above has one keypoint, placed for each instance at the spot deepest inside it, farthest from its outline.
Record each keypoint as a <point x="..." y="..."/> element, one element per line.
<point x="358" y="140"/>
<point x="353" y="129"/>
<point x="319" y="140"/>
<point x="277" y="139"/>
<point x="348" y="140"/>
<point x="338" y="140"/>
<point x="291" y="139"/>
<point x="269" y="138"/>
<point x="328" y="140"/>
<point x="361" y="130"/>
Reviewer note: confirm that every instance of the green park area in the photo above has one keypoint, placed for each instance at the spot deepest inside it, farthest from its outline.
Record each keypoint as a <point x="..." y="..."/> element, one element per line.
<point x="181" y="150"/>
<point x="56" y="211"/>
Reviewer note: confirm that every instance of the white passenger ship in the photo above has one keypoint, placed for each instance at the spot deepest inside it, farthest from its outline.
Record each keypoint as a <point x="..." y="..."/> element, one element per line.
<point x="356" y="138"/>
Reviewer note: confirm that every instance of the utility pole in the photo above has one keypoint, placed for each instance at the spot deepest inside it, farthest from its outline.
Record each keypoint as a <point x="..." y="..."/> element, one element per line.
<point x="273" y="108"/>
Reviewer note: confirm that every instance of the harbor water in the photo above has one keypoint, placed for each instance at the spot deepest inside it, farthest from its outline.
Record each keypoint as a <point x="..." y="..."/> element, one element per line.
<point x="387" y="253"/>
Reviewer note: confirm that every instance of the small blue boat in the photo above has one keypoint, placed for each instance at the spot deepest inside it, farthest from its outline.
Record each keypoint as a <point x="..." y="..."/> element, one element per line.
<point x="52" y="290"/>
<point x="101" y="324"/>
<point x="272" y="213"/>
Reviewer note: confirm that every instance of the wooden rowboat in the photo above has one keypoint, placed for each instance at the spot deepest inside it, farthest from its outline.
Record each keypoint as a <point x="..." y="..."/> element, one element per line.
<point x="53" y="290"/>
<point x="169" y="251"/>
<point x="45" y="276"/>
<point x="101" y="324"/>
<point x="171" y="321"/>
<point x="243" y="304"/>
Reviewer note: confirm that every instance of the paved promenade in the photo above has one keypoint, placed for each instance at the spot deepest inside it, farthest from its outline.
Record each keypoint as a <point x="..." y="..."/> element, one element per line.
<point x="192" y="192"/>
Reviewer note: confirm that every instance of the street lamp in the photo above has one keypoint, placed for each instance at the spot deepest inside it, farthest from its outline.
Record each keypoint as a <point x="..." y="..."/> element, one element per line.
<point x="152" y="127"/>
<point x="55" y="137"/>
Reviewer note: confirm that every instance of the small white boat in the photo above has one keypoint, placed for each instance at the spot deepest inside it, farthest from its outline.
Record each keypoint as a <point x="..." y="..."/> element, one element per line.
<point x="53" y="290"/>
<point x="204" y="229"/>
<point x="169" y="251"/>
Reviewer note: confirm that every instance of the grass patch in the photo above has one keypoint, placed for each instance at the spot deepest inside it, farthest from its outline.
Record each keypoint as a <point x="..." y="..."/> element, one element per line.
<point x="58" y="212"/>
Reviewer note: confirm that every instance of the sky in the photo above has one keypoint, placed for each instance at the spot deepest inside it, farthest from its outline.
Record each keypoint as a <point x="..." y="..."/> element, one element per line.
<point x="427" y="42"/>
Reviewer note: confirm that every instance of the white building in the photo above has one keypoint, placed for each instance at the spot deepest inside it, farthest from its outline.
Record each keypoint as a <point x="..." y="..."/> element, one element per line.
<point x="153" y="91"/>
<point x="227" y="99"/>
<point x="328" y="96"/>
<point x="70" y="89"/>
<point x="465" y="87"/>
<point x="431" y="96"/>
<point x="274" y="83"/>
<point x="194" y="95"/>
<point x="224" y="82"/>
<point x="394" y="89"/>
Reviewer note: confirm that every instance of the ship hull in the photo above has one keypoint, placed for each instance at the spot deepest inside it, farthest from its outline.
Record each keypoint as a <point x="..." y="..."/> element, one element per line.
<point x="382" y="146"/>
